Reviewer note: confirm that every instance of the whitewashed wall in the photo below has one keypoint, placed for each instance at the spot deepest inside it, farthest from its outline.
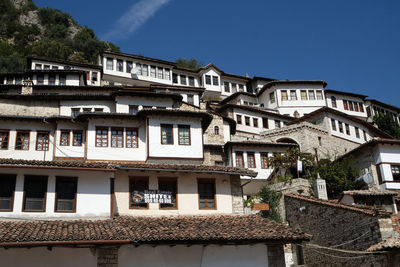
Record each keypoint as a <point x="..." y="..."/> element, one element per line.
<point x="339" y="104"/>
<point x="188" y="199"/>
<point x="71" y="79"/>
<point x="192" y="151"/>
<point x="123" y="102"/>
<point x="67" y="105"/>
<point x="93" y="193"/>
<point x="352" y="125"/>
<point x="385" y="156"/>
<point x="211" y="87"/>
<point x="43" y="257"/>
<point x="69" y="151"/>
<point x="251" y="129"/>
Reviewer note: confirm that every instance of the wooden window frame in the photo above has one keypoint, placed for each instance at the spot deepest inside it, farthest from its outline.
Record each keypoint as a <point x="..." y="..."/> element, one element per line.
<point x="169" y="179"/>
<point x="7" y="131"/>
<point x="303" y="93"/>
<point x="102" y="128"/>
<point x="254" y="164"/>
<point x="68" y="139"/>
<point x="311" y="93"/>
<point x="215" y="80"/>
<point x="44" y="198"/>
<point x="347" y="127"/>
<point x="122" y="138"/>
<point x="184" y="126"/>
<point x="172" y="133"/>
<point x="206" y="181"/>
<point x="190" y="96"/>
<point x="272" y="99"/>
<point x="397" y="165"/>
<point x="216" y="130"/>
<point x="265" y="124"/>
<point x="319" y="93"/>
<point x="340" y="127"/>
<point x="333" y="101"/>
<point x="357" y="131"/>
<point x="284" y="93"/>
<point x="237" y="159"/>
<point x="345" y="105"/>
<point x="138" y="178"/>
<point x="137" y="137"/>
<point x="23" y="141"/>
<point x="43" y="140"/>
<point x="207" y="79"/>
<point x="255" y="122"/>
<point x="264" y="160"/>
<point x="13" y="193"/>
<point x="75" y="179"/>
<point x="247" y="120"/>
<point x="238" y="119"/>
<point x="295" y="95"/>
<point x="77" y="132"/>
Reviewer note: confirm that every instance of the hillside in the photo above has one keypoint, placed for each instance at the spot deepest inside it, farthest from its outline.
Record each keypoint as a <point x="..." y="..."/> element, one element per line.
<point x="44" y="32"/>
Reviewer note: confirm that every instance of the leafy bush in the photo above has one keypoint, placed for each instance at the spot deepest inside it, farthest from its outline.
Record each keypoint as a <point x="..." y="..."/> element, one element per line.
<point x="273" y="198"/>
<point x="387" y="124"/>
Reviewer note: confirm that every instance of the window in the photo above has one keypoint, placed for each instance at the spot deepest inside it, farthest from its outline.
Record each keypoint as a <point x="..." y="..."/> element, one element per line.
<point x="42" y="141"/>
<point x="167" y="137"/>
<point x="206" y="190"/>
<point x="4" y="138"/>
<point x="264" y="160"/>
<point x="191" y="80"/>
<point x="22" y="140"/>
<point x="226" y="87"/>
<point x="241" y="88"/>
<point x="333" y="123"/>
<point x="153" y="71"/>
<point x="160" y="73"/>
<point x="351" y="106"/>
<point x="247" y="120"/>
<point x="272" y="97"/>
<point x="184" y="134"/>
<point x="345" y="106"/>
<point x="101" y="136"/>
<point x="293" y="95"/>
<point x="133" y="109"/>
<point x="284" y="95"/>
<point x="40" y="79"/>
<point x="87" y="109"/>
<point x="340" y="126"/>
<point x="190" y="99"/>
<point x="319" y="95"/>
<point x="98" y="109"/>
<point x="7" y="188"/>
<point x="62" y="79"/>
<point x="239" y="159"/>
<point x="168" y="74"/>
<point x="129" y="66"/>
<point x="357" y="132"/>
<point x="255" y="122"/>
<point x="251" y="161"/>
<point x="145" y="70"/>
<point x="333" y="100"/>
<point x="170" y="185"/>
<point x="216" y="130"/>
<point x="208" y="79"/>
<point x="132" y="138"/>
<point x="311" y="95"/>
<point x="52" y="79"/>
<point x="35" y="188"/>
<point x="365" y="136"/>
<point x="137" y="185"/>
<point x="215" y="80"/>
<point x="355" y="106"/>
<point x="120" y="65"/>
<point x="66" y="189"/>
<point x="94" y="76"/>
<point x="239" y="119"/>
<point x="38" y="66"/>
<point x="18" y="80"/>
<point x="77" y="138"/>
<point x="395" y="172"/>
<point x="234" y="88"/>
<point x="64" y="138"/>
<point x="277" y="124"/>
<point x="75" y="111"/>
<point x="347" y="129"/>
<point x="265" y="123"/>
<point x="54" y="67"/>
<point x="117" y="137"/>
<point x="183" y="79"/>
<point x="303" y="94"/>
<point x="174" y="78"/>
<point x="361" y="107"/>
<point x="109" y="64"/>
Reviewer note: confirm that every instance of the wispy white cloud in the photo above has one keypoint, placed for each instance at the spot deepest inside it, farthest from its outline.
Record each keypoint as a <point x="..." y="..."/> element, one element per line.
<point x="133" y="19"/>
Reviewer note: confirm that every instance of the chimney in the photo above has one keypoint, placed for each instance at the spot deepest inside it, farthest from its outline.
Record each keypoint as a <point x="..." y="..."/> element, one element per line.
<point x="27" y="87"/>
<point x="320" y="188"/>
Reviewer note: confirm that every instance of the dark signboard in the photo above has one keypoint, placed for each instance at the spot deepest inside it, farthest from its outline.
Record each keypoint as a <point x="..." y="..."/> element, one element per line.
<point x="152" y="196"/>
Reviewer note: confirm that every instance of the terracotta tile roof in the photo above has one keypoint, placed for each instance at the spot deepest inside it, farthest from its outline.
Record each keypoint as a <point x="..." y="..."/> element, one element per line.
<point x="275" y="82"/>
<point x="371" y="192"/>
<point x="334" y="204"/>
<point x="390" y="243"/>
<point x="150" y="230"/>
<point x="112" y="166"/>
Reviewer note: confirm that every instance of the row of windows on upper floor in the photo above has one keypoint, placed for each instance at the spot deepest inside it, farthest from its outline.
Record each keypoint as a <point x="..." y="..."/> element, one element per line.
<point x="52" y="79"/>
<point x="251" y="160"/>
<point x="378" y="110"/>
<point x="233" y="87"/>
<point x="347" y="128"/>
<point x="291" y="95"/>
<point x="66" y="191"/>
<point x="349" y="105"/>
<point x="247" y="121"/>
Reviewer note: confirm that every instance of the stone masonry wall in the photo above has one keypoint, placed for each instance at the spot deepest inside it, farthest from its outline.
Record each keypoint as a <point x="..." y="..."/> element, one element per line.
<point x="107" y="257"/>
<point x="339" y="229"/>
<point x="236" y="192"/>
<point x="29" y="108"/>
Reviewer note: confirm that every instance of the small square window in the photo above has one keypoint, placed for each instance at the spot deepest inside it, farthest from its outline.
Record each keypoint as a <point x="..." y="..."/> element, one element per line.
<point x="215" y="80"/>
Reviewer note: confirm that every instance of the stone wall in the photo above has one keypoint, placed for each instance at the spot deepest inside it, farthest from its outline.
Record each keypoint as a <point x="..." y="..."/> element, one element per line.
<point x="236" y="192"/>
<point x="107" y="257"/>
<point x="338" y="228"/>
<point x="209" y="135"/>
<point x="213" y="154"/>
<point x="29" y="108"/>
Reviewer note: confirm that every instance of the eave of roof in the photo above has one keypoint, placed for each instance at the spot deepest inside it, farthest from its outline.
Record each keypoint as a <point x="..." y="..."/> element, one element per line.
<point x="379" y="103"/>
<point x="275" y="82"/>
<point x="345" y="93"/>
<point x="160" y="61"/>
<point x="257" y="143"/>
<point x="370" y="143"/>
<point x="72" y="63"/>
<point x="233" y="96"/>
<point x="127" y="92"/>
<point x="343" y="115"/>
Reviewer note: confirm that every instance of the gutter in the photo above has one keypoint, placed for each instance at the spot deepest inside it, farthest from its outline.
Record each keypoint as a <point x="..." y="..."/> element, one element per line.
<point x="64" y="243"/>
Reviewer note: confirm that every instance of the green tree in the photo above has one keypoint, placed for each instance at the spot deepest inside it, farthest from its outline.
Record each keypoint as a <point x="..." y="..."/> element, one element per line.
<point x="191" y="64"/>
<point x="340" y="175"/>
<point x="273" y="198"/>
<point x="387" y="124"/>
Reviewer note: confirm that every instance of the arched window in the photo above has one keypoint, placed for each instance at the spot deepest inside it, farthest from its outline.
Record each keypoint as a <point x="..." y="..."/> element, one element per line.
<point x="216" y="130"/>
<point x="333" y="99"/>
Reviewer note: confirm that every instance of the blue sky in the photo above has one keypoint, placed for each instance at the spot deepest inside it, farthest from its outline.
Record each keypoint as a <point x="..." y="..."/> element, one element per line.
<point x="353" y="45"/>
